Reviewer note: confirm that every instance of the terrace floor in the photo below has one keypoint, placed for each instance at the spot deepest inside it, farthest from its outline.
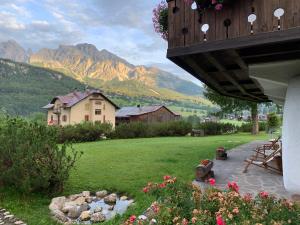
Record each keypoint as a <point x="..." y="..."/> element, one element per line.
<point x="255" y="180"/>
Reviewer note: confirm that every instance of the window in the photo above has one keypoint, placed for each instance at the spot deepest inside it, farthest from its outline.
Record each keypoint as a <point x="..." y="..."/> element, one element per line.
<point x="64" y="118"/>
<point x="52" y="118"/>
<point x="103" y="106"/>
<point x="97" y="111"/>
<point x="86" y="118"/>
<point x="104" y="119"/>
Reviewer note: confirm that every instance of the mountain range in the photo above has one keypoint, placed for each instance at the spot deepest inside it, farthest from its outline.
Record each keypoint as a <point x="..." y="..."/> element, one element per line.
<point x="107" y="71"/>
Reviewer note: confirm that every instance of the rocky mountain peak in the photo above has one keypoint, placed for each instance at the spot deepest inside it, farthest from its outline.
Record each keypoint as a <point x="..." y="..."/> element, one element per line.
<point x="13" y="51"/>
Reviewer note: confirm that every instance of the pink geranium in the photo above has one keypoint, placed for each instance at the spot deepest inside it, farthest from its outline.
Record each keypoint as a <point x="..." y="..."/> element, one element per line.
<point x="264" y="194"/>
<point x="233" y="186"/>
<point x="212" y="182"/>
<point x="220" y="220"/>
<point x="132" y="218"/>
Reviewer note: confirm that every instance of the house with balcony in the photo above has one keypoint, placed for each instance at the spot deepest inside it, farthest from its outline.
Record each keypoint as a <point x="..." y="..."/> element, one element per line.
<point x="78" y="107"/>
<point x="249" y="49"/>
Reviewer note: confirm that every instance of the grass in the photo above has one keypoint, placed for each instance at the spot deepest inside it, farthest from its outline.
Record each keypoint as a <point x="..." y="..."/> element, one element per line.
<point x="234" y="122"/>
<point x="125" y="166"/>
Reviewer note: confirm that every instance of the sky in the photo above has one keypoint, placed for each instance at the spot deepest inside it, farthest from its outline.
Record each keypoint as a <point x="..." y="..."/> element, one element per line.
<point x="123" y="27"/>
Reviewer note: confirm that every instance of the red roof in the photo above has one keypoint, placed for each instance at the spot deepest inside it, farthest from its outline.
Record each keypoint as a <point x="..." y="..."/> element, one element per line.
<point x="73" y="98"/>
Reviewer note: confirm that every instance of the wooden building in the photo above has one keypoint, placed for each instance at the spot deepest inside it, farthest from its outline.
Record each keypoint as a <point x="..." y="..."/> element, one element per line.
<point x="250" y="49"/>
<point x="148" y="114"/>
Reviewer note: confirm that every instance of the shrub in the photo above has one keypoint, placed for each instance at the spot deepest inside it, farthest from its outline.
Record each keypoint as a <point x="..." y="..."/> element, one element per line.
<point x="273" y="121"/>
<point x="145" y="130"/>
<point x="30" y="159"/>
<point x="216" y="128"/>
<point x="83" y="132"/>
<point x="247" y="127"/>
<point x="180" y="203"/>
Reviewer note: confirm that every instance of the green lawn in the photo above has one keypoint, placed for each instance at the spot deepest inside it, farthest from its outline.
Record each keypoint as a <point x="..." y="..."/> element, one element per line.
<point x="125" y="166"/>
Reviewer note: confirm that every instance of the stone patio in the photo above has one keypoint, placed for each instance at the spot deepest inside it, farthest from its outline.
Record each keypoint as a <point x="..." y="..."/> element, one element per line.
<point x="255" y="180"/>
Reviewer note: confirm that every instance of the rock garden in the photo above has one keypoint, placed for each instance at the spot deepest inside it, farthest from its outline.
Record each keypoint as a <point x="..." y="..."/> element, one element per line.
<point x="88" y="207"/>
<point x="6" y="218"/>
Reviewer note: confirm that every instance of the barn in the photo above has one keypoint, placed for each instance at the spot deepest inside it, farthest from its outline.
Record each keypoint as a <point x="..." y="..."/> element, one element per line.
<point x="147" y="114"/>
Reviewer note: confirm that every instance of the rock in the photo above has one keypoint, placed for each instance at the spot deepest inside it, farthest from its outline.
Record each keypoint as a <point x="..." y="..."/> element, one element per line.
<point x="74" y="212"/>
<point x="97" y="217"/>
<point x="98" y="209"/>
<point x="101" y="194"/>
<point x="74" y="197"/>
<point x="124" y="198"/>
<point x="89" y="199"/>
<point x="19" y="222"/>
<point x="57" y="203"/>
<point x="79" y="200"/>
<point x="84" y="207"/>
<point x="59" y="215"/>
<point x="67" y="206"/>
<point x="111" y="207"/>
<point x="110" y="199"/>
<point x="142" y="217"/>
<point x="85" y="215"/>
<point x="86" y="194"/>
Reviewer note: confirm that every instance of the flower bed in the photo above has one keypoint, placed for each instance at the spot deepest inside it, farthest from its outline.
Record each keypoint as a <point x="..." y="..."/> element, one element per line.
<point x="183" y="204"/>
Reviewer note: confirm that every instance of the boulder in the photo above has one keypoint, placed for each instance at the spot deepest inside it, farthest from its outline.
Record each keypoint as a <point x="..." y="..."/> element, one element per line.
<point x="74" y="197"/>
<point x="98" y="209"/>
<point x="74" y="212"/>
<point x="97" y="217"/>
<point x="67" y="206"/>
<point x="85" y="215"/>
<point x="89" y="199"/>
<point x="86" y="194"/>
<point x="124" y="198"/>
<point x="79" y="200"/>
<point x="110" y="199"/>
<point x="101" y="194"/>
<point x="59" y="215"/>
<point x="57" y="203"/>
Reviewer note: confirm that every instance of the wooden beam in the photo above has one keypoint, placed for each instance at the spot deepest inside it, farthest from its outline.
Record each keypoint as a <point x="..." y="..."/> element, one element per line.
<point x="223" y="71"/>
<point x="261" y="39"/>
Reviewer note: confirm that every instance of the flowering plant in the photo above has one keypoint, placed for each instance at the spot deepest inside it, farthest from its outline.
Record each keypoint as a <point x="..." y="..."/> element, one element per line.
<point x="204" y="4"/>
<point x="160" y="19"/>
<point x="183" y="204"/>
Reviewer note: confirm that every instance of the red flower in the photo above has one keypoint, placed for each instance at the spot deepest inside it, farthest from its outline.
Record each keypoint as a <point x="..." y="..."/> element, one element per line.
<point x="264" y="194"/>
<point x="233" y="186"/>
<point x="167" y="177"/>
<point x="212" y="181"/>
<point x="132" y="218"/>
<point x="145" y="190"/>
<point x="162" y="185"/>
<point x="220" y="221"/>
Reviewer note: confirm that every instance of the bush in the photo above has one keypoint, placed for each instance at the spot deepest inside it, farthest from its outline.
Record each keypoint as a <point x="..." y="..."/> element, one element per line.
<point x="247" y="127"/>
<point x="180" y="203"/>
<point x="83" y="132"/>
<point x="145" y="130"/>
<point x="30" y="159"/>
<point x="273" y="121"/>
<point x="215" y="128"/>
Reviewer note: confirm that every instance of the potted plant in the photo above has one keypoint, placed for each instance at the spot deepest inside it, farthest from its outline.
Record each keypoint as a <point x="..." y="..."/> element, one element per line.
<point x="221" y="153"/>
<point x="204" y="170"/>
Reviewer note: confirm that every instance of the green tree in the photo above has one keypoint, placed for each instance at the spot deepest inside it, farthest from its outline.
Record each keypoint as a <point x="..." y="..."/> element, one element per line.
<point x="234" y="105"/>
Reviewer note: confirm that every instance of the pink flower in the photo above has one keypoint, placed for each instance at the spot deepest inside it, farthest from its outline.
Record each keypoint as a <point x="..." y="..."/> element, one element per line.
<point x="213" y="2"/>
<point x="212" y="181"/>
<point x="132" y="218"/>
<point x="218" y="6"/>
<point x="220" y="221"/>
<point x="162" y="185"/>
<point x="233" y="186"/>
<point x="167" y="177"/>
<point x="248" y="197"/>
<point x="264" y="194"/>
<point x="185" y="222"/>
<point x="145" y="190"/>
